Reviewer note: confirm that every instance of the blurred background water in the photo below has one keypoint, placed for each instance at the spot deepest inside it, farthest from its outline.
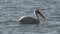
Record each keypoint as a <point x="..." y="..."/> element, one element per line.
<point x="12" y="10"/>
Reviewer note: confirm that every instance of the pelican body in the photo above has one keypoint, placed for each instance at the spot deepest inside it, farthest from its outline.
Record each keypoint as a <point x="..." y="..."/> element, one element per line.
<point x="30" y="20"/>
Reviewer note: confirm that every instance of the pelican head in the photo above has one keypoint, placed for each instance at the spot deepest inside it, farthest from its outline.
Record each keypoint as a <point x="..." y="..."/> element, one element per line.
<point x="37" y="13"/>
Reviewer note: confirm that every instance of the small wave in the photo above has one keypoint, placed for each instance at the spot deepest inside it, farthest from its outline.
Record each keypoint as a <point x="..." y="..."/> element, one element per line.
<point x="8" y="22"/>
<point x="53" y="26"/>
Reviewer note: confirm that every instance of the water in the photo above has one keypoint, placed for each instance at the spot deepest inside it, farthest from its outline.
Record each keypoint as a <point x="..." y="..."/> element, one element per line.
<point x="12" y="10"/>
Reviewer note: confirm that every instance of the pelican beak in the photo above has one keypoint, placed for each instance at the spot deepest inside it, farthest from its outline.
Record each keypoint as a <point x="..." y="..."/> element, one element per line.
<point x="41" y="15"/>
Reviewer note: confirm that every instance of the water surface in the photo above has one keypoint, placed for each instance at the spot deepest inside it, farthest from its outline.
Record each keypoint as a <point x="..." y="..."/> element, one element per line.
<point x="12" y="10"/>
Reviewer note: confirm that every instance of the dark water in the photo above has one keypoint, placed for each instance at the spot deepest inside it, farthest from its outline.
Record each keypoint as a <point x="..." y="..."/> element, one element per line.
<point x="11" y="10"/>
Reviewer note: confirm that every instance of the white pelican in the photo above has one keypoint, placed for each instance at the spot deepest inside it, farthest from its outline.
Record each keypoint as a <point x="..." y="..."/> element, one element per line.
<point x="30" y="20"/>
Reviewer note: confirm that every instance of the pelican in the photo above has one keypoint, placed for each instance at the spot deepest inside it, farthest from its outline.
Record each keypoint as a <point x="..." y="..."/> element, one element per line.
<point x="31" y="20"/>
